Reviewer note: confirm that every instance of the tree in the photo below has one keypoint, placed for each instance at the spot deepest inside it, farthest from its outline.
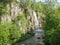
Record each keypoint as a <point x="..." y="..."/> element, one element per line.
<point x="52" y="22"/>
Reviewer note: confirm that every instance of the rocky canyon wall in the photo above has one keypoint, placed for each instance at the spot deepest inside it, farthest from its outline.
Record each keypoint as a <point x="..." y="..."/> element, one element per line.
<point x="25" y="20"/>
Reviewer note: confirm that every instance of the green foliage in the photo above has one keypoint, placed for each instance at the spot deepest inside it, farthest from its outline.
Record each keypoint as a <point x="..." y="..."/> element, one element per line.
<point x="15" y="32"/>
<point x="34" y="5"/>
<point x="28" y="3"/>
<point x="52" y="23"/>
<point x="9" y="32"/>
<point x="22" y="16"/>
<point x="38" y="6"/>
<point x="25" y="36"/>
<point x="4" y="8"/>
<point x="52" y="27"/>
<point x="4" y="34"/>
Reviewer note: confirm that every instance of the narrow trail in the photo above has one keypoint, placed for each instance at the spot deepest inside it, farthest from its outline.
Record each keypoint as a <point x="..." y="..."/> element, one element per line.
<point x="29" y="41"/>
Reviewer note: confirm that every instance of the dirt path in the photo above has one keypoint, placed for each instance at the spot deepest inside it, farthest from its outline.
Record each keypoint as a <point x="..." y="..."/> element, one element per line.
<point x="29" y="41"/>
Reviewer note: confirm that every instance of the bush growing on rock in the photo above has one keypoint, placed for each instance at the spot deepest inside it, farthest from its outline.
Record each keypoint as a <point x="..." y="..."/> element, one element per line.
<point x="4" y="34"/>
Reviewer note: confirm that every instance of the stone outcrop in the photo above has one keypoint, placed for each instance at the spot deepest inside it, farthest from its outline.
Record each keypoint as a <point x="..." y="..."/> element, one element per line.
<point x="15" y="11"/>
<point x="41" y="22"/>
<point x="6" y="18"/>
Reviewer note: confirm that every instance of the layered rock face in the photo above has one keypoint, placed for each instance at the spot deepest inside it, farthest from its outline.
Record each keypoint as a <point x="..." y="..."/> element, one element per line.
<point x="16" y="11"/>
<point x="6" y="18"/>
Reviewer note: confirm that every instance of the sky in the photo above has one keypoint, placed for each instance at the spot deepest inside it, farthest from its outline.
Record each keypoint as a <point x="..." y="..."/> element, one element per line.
<point x="40" y="0"/>
<point x="43" y="0"/>
<point x="58" y="0"/>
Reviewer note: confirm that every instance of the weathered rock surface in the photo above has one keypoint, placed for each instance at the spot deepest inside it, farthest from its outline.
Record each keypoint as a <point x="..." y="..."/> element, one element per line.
<point x="15" y="11"/>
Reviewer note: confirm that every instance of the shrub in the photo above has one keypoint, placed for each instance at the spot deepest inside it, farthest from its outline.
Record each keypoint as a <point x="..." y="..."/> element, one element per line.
<point x="52" y="28"/>
<point x="4" y="34"/>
